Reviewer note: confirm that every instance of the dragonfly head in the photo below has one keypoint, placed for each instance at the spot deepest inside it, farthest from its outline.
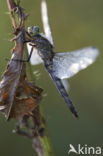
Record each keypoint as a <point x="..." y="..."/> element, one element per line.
<point x="33" y="30"/>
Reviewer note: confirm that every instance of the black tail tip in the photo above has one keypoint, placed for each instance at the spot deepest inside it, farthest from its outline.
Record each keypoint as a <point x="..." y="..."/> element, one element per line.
<point x="72" y="109"/>
<point x="74" y="113"/>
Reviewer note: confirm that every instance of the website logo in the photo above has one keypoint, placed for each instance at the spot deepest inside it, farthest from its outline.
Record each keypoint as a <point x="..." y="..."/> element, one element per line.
<point x="85" y="149"/>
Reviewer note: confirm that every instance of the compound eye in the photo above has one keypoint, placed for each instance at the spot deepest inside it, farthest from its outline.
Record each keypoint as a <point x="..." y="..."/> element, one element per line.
<point x="36" y="29"/>
<point x="33" y="30"/>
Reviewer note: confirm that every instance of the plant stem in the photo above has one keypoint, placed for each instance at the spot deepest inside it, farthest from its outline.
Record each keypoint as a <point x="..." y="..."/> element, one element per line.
<point x="39" y="133"/>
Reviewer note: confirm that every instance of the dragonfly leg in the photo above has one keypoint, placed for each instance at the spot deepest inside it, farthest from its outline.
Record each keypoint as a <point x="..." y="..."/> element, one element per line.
<point x="26" y="41"/>
<point x="19" y="60"/>
<point x="29" y="57"/>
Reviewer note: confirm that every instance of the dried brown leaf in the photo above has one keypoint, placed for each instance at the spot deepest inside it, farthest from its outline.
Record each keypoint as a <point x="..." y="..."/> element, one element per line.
<point x="22" y="107"/>
<point x="11" y="77"/>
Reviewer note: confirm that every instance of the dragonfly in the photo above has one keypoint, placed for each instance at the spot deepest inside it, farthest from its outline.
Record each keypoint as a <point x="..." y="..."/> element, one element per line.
<point x="60" y="66"/>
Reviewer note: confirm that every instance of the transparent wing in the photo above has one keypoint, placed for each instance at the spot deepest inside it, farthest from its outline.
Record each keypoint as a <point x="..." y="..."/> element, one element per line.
<point x="67" y="64"/>
<point x="48" y="34"/>
<point x="35" y="58"/>
<point x="45" y="20"/>
<point x="66" y="84"/>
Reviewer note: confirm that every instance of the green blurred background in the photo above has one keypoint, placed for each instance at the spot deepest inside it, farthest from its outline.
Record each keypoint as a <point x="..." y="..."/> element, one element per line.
<point x="74" y="24"/>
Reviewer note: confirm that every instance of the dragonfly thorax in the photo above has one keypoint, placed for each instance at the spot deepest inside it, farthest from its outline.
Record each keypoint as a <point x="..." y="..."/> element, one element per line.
<point x="44" y="47"/>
